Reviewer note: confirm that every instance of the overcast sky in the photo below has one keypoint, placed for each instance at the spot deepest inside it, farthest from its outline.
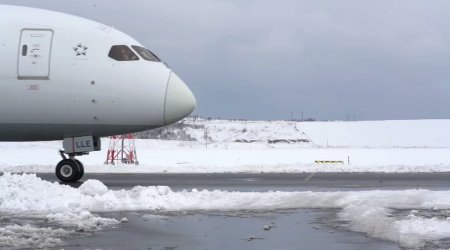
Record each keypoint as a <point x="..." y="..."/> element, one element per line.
<point x="263" y="59"/>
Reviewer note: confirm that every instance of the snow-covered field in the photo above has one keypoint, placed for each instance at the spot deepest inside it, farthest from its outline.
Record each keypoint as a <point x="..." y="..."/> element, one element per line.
<point x="157" y="156"/>
<point x="379" y="146"/>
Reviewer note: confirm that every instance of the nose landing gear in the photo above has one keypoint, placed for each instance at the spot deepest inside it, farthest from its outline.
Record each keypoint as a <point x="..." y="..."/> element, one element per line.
<point x="70" y="169"/>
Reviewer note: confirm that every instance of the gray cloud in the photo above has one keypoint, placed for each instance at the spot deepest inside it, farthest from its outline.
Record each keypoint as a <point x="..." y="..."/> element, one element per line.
<point x="265" y="59"/>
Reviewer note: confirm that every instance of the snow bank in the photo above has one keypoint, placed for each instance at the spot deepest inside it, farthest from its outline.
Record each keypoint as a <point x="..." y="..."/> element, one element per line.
<point x="26" y="196"/>
<point x="73" y="209"/>
<point x="400" y="133"/>
<point x="228" y="131"/>
<point x="93" y="187"/>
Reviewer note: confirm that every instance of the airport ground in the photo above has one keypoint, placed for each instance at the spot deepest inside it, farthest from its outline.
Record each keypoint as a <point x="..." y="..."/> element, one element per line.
<point x="289" y="229"/>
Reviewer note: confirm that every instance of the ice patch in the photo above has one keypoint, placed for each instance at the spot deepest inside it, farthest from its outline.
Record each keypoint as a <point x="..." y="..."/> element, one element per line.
<point x="371" y="212"/>
<point x="28" y="236"/>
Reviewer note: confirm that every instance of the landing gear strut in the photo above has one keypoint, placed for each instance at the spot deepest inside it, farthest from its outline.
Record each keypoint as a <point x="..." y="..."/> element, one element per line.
<point x="70" y="169"/>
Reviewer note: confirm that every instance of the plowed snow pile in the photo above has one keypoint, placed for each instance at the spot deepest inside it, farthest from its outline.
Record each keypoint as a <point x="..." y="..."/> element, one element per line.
<point x="73" y="210"/>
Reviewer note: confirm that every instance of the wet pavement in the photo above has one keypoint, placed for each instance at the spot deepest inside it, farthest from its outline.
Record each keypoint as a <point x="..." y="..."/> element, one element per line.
<point x="298" y="229"/>
<point x="288" y="229"/>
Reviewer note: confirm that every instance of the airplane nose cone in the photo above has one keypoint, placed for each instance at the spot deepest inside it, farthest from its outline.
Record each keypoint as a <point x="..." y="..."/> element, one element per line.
<point x="180" y="102"/>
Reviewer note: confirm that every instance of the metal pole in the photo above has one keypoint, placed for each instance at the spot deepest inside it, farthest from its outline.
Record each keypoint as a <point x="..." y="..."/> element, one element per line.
<point x="123" y="140"/>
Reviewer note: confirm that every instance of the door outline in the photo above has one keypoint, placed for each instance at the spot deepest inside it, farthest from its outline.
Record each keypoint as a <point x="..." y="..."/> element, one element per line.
<point x="19" y="54"/>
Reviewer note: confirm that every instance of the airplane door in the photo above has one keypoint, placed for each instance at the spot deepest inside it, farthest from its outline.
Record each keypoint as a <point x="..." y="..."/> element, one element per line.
<point x="34" y="54"/>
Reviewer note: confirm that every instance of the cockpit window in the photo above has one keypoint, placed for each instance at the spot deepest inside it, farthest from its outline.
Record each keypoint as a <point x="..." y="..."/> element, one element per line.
<point x="146" y="54"/>
<point x="122" y="53"/>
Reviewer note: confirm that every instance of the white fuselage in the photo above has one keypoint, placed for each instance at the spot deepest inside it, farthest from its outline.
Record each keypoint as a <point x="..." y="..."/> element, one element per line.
<point x="58" y="81"/>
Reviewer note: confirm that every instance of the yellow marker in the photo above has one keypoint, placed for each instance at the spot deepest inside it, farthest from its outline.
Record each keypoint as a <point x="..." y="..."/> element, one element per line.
<point x="329" y="162"/>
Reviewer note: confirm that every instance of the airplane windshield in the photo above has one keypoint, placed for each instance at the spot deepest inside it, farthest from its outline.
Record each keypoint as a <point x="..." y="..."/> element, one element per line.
<point x="122" y="53"/>
<point x="146" y="54"/>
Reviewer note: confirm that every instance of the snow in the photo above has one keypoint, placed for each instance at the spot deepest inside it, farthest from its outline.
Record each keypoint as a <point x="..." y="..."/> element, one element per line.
<point x="157" y="156"/>
<point x="378" y="146"/>
<point x="29" y="197"/>
<point x="370" y="212"/>
<point x="372" y="146"/>
<point x="28" y="236"/>
<point x="381" y="134"/>
<point x="93" y="187"/>
<point x="226" y="131"/>
<point x="384" y="134"/>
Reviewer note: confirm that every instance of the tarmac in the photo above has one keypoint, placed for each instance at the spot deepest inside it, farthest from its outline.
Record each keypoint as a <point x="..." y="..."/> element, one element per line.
<point x="289" y="229"/>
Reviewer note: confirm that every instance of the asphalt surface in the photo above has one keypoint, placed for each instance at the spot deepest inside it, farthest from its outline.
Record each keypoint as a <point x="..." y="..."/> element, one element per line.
<point x="294" y="229"/>
<point x="264" y="182"/>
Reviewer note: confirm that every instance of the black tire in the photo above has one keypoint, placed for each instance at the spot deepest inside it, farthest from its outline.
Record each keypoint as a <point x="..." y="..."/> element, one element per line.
<point x="68" y="170"/>
<point x="81" y="173"/>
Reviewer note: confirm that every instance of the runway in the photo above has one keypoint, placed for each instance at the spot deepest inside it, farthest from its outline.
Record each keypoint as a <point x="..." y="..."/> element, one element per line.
<point x="292" y="229"/>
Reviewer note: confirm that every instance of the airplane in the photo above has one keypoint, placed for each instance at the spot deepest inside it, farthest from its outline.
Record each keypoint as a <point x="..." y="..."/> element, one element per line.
<point x="64" y="77"/>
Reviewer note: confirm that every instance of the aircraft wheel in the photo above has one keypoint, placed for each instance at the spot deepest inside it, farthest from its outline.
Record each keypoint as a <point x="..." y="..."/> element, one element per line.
<point x="68" y="170"/>
<point x="81" y="173"/>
